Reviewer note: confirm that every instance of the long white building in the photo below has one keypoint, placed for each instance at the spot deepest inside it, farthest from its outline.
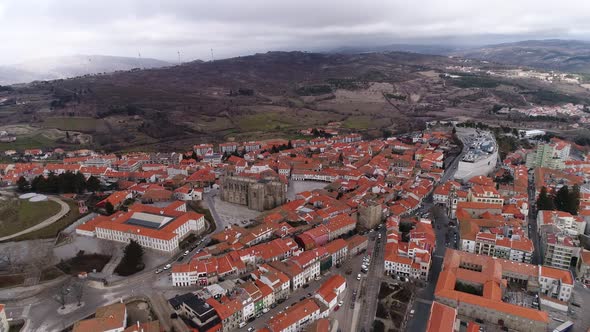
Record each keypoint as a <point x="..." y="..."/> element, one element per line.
<point x="152" y="227"/>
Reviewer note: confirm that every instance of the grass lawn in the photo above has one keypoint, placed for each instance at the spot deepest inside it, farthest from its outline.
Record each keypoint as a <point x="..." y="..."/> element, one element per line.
<point x="11" y="280"/>
<point x="84" y="263"/>
<point x="265" y="121"/>
<point x="85" y="124"/>
<point x="17" y="215"/>
<point x="52" y="230"/>
<point x="28" y="142"/>
<point x="358" y="122"/>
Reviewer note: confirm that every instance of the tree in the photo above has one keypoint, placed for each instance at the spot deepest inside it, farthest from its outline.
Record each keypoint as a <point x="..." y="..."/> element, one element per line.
<point x="562" y="198"/>
<point x="544" y="202"/>
<point x="132" y="260"/>
<point x="78" y="183"/>
<point x="109" y="208"/>
<point x="93" y="183"/>
<point x="574" y="200"/>
<point x="22" y="184"/>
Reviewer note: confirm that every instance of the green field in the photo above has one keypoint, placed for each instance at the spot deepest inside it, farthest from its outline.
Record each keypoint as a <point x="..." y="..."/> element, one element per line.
<point x="359" y="122"/>
<point x="265" y="121"/>
<point x="52" y="230"/>
<point x="38" y="141"/>
<point x="17" y="215"/>
<point x="84" y="124"/>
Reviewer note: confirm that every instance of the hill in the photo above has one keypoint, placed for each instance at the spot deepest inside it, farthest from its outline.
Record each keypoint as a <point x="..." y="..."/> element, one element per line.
<point x="263" y="96"/>
<point x="52" y="68"/>
<point x="555" y="54"/>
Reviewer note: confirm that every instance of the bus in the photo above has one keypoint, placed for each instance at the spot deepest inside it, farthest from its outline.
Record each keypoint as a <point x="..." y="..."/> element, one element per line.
<point x="566" y="326"/>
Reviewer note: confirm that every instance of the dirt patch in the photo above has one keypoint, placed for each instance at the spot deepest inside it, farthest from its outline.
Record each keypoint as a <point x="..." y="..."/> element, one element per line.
<point x="84" y="263"/>
<point x="12" y="280"/>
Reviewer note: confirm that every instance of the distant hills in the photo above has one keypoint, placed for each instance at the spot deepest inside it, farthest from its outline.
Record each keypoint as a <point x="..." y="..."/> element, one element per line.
<point x="51" y="68"/>
<point x="554" y="54"/>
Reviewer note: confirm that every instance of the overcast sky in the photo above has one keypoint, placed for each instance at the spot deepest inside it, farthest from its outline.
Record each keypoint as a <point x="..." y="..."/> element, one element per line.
<point x="158" y="29"/>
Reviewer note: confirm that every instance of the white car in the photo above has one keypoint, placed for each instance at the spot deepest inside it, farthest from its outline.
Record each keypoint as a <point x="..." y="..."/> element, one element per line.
<point x="358" y="276"/>
<point x="167" y="266"/>
<point x="186" y="253"/>
<point x="340" y="303"/>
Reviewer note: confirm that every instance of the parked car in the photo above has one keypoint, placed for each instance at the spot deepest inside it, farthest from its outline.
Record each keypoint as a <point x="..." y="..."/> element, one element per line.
<point x="167" y="266"/>
<point x="358" y="277"/>
<point x="186" y="253"/>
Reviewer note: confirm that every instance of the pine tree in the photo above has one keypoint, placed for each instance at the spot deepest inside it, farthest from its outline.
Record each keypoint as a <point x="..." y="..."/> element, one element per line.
<point x="574" y="200"/>
<point x="22" y="184"/>
<point x="544" y="202"/>
<point x="109" y="208"/>
<point x="93" y="183"/>
<point x="562" y="198"/>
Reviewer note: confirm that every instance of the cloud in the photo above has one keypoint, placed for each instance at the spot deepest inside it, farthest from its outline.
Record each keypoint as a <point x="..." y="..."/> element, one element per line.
<point x="232" y="27"/>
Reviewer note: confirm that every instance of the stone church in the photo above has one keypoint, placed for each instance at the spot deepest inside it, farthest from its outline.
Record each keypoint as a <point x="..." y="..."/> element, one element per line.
<point x="258" y="194"/>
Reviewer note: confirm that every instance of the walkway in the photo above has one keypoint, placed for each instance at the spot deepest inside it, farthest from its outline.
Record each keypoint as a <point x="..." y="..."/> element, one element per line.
<point x="65" y="208"/>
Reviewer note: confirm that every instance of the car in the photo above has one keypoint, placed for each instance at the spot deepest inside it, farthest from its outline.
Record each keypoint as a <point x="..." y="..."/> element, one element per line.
<point x="318" y="278"/>
<point x="158" y="271"/>
<point x="180" y="259"/>
<point x="305" y="286"/>
<point x="358" y="276"/>
<point x="250" y="329"/>
<point x="167" y="266"/>
<point x="286" y="308"/>
<point x="412" y="312"/>
<point x="341" y="303"/>
<point x="265" y="310"/>
<point x="309" y="294"/>
<point x="242" y="324"/>
<point x="186" y="253"/>
<point x="336" y="308"/>
<point x="363" y="267"/>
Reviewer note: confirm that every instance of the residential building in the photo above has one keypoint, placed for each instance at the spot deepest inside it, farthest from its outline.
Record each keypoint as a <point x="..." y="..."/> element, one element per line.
<point x="296" y="318"/>
<point x="110" y="318"/>
<point x="443" y="318"/>
<point x="4" y="327"/>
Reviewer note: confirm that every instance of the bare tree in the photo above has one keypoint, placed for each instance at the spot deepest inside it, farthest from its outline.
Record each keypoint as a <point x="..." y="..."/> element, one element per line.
<point x="78" y="290"/>
<point x="62" y="294"/>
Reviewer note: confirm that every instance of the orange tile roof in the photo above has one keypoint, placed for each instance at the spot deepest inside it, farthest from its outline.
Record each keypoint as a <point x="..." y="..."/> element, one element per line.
<point x="293" y="315"/>
<point x="442" y="318"/>
<point x="107" y="318"/>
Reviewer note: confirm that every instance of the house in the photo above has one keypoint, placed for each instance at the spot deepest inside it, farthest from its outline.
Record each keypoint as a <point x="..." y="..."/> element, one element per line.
<point x="110" y="318"/>
<point x="195" y="309"/>
<point x="330" y="291"/>
<point x="296" y="317"/>
<point x="4" y="327"/>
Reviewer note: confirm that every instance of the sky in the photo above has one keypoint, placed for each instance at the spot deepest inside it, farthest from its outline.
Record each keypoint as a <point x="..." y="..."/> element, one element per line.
<point x="160" y="29"/>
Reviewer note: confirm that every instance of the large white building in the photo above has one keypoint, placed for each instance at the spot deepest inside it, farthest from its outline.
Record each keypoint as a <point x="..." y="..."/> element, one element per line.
<point x="153" y="227"/>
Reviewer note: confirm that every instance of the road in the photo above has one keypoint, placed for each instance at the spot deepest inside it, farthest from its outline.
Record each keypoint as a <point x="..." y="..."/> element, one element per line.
<point x="41" y="308"/>
<point x="444" y="235"/>
<point x="64" y="209"/>
<point x="532" y="221"/>
<point x="371" y="283"/>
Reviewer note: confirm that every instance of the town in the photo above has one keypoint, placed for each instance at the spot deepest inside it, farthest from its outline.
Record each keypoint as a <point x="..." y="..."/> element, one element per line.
<point x="433" y="230"/>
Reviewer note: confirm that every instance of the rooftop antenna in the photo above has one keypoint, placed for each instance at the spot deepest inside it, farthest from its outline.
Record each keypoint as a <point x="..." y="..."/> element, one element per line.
<point x="179" y="62"/>
<point x="139" y="59"/>
<point x="212" y="59"/>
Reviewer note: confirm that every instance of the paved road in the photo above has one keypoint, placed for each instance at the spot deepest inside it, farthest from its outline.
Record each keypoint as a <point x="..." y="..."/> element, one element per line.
<point x="64" y="209"/>
<point x="532" y="221"/>
<point x="371" y="283"/>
